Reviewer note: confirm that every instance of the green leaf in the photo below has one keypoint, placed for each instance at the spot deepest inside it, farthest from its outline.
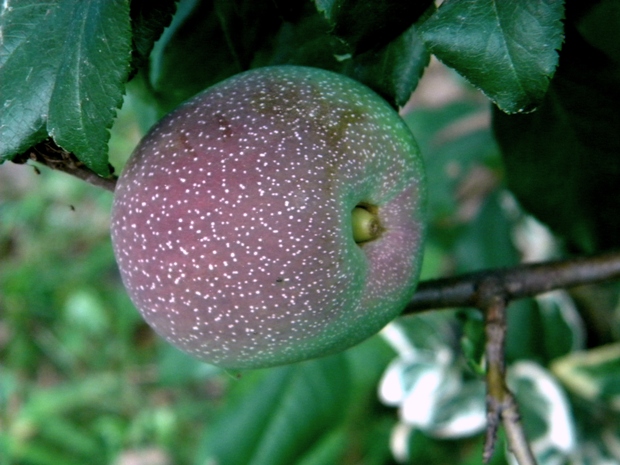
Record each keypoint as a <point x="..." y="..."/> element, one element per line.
<point x="183" y="65"/>
<point x="328" y="450"/>
<point x="74" y="396"/>
<point x="368" y="25"/>
<point x="428" y="384"/>
<point x="546" y="412"/>
<point x="148" y="20"/>
<point x="486" y="242"/>
<point x="459" y="150"/>
<point x="473" y="339"/>
<point x="208" y="42"/>
<point x="593" y="375"/>
<point x="394" y="70"/>
<point x="287" y="412"/>
<point x="600" y="27"/>
<point x="562" y="161"/>
<point x="562" y="330"/>
<point x="524" y="339"/>
<point x="176" y="368"/>
<point x="63" y="65"/>
<point x="506" y="49"/>
<point x="303" y="41"/>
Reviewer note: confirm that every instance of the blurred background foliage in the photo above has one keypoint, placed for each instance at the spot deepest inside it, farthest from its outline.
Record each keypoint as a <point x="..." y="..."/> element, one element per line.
<point x="84" y="380"/>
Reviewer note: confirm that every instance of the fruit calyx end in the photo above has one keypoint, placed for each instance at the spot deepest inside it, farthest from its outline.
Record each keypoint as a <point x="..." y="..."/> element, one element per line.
<point x="365" y="223"/>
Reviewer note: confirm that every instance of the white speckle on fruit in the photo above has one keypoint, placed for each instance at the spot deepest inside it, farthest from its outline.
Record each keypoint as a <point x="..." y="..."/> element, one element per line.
<point x="239" y="249"/>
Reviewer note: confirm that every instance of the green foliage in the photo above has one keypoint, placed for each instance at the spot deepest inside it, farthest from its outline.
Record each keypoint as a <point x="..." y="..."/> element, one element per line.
<point x="507" y="49"/>
<point x="63" y="68"/>
<point x="84" y="380"/>
<point x="148" y="21"/>
<point x="274" y="418"/>
<point x="366" y="25"/>
<point x="563" y="159"/>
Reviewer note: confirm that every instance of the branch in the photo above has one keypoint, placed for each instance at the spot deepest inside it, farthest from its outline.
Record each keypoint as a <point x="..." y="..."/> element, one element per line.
<point x="490" y="291"/>
<point x="515" y="283"/>
<point x="501" y="403"/>
<point x="51" y="155"/>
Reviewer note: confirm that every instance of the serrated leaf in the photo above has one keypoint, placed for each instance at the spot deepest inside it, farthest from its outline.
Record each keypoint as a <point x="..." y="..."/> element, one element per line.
<point x="562" y="161"/>
<point x="148" y="20"/>
<point x="506" y="49"/>
<point x="287" y="412"/>
<point x="367" y="25"/>
<point x="63" y="66"/>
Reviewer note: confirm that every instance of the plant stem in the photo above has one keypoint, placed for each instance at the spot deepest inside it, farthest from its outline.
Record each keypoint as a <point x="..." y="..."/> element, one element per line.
<point x="501" y="403"/>
<point x="515" y="283"/>
<point x="491" y="291"/>
<point x="49" y="154"/>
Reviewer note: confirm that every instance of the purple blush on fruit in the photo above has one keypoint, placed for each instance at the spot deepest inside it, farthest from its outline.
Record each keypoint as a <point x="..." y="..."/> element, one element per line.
<point x="277" y="216"/>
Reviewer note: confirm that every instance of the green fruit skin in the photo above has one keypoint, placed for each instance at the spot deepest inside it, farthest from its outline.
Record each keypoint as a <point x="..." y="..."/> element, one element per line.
<point x="231" y="221"/>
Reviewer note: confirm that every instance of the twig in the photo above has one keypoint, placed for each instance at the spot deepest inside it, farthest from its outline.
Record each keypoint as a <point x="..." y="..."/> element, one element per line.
<point x="501" y="403"/>
<point x="516" y="282"/>
<point x="491" y="291"/>
<point x="54" y="157"/>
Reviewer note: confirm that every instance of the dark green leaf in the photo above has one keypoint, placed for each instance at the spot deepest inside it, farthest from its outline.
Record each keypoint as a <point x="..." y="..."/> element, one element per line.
<point x="562" y="161"/>
<point x="368" y="25"/>
<point x="507" y="49"/>
<point x="473" y="339"/>
<point x="207" y="42"/>
<point x="394" y="70"/>
<point x="486" y="242"/>
<point x="183" y="65"/>
<point x="599" y="27"/>
<point x="148" y="20"/>
<point x="306" y="42"/>
<point x="328" y="450"/>
<point x="191" y="55"/>
<point x="63" y="66"/>
<point x="525" y="337"/>
<point x="287" y="412"/>
<point x="247" y="25"/>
